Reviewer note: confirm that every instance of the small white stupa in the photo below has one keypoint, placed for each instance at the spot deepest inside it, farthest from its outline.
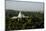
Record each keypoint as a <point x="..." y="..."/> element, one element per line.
<point x="20" y="15"/>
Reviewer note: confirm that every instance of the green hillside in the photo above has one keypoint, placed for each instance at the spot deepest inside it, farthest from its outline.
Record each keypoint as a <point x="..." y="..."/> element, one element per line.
<point x="35" y="20"/>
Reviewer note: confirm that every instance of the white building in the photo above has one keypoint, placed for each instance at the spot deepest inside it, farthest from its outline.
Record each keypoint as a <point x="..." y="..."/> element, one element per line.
<point x="20" y="15"/>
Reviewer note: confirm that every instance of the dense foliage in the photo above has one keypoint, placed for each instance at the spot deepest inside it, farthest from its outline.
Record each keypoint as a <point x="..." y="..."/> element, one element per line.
<point x="35" y="20"/>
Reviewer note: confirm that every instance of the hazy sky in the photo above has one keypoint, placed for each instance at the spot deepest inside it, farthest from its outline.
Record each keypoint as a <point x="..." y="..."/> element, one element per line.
<point x="25" y="6"/>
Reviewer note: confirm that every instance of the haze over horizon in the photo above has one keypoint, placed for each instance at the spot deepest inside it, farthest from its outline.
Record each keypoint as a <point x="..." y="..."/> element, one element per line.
<point x="25" y="6"/>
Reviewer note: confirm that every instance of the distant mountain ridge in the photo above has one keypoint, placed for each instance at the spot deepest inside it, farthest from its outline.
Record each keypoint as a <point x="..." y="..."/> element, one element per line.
<point x="16" y="12"/>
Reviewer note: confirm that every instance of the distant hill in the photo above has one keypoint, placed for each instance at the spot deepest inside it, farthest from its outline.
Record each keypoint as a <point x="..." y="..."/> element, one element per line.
<point x="11" y="12"/>
<point x="16" y="12"/>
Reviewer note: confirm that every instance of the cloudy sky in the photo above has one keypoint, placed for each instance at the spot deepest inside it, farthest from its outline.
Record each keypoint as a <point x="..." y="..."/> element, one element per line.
<point x="25" y="6"/>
